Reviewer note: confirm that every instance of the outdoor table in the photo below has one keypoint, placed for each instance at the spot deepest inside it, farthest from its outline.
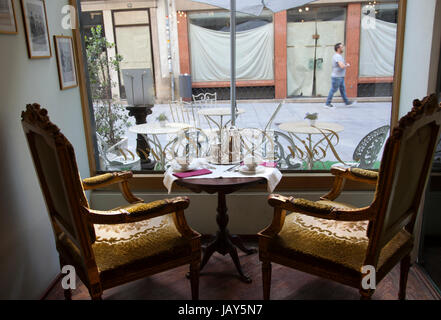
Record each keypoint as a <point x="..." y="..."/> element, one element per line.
<point x="154" y="130"/>
<point x="314" y="151"/>
<point x="209" y="113"/>
<point x="224" y="243"/>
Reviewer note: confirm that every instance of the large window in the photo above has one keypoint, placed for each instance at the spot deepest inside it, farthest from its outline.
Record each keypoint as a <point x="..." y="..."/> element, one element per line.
<point x="330" y="115"/>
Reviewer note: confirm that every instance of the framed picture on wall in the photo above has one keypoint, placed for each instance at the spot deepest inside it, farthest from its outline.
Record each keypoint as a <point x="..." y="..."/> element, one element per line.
<point x="8" y="20"/>
<point x="37" y="31"/>
<point x="66" y="62"/>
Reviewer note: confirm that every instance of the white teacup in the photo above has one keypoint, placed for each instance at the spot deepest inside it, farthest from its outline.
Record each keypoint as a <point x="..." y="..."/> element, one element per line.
<point x="251" y="163"/>
<point x="183" y="162"/>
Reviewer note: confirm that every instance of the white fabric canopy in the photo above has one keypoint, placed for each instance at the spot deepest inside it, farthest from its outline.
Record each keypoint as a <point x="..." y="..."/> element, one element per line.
<point x="210" y="54"/>
<point x="377" y="48"/>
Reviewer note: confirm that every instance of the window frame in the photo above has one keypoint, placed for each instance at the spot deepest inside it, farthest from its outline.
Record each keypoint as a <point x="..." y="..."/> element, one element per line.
<point x="129" y="26"/>
<point x="301" y="181"/>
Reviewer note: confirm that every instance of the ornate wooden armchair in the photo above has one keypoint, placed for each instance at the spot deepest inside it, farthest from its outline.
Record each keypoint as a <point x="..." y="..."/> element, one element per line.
<point x="335" y="240"/>
<point x="107" y="248"/>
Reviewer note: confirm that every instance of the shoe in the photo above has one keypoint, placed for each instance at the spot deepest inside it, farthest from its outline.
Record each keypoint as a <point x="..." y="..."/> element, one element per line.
<point x="329" y="106"/>
<point x="350" y="103"/>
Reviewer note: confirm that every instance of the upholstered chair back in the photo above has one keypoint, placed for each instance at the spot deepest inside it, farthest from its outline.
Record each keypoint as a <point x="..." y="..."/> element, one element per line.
<point x="54" y="161"/>
<point x="404" y="172"/>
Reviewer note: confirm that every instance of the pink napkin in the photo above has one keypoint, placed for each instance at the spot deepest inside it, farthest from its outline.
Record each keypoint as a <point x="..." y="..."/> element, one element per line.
<point x="194" y="173"/>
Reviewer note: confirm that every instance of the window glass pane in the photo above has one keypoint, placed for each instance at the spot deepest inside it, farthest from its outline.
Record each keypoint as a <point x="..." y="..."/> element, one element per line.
<point x="133" y="44"/>
<point x="131" y="17"/>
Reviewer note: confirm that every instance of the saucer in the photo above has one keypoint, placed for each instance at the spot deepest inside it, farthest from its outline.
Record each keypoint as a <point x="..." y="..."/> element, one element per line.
<point x="245" y="170"/>
<point x="177" y="168"/>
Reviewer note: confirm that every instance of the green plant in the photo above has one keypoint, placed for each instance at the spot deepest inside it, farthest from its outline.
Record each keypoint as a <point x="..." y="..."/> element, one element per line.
<point x="111" y="118"/>
<point x="311" y="116"/>
<point x="162" y="117"/>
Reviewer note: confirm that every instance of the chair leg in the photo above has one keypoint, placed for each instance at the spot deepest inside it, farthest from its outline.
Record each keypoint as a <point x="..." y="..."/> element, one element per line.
<point x="404" y="272"/>
<point x="67" y="294"/>
<point x="266" y="277"/>
<point x="97" y="297"/>
<point x="194" y="280"/>
<point x="96" y="292"/>
<point x="366" y="294"/>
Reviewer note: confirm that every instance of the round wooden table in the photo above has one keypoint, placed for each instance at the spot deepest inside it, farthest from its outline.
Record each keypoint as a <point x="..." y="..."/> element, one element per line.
<point x="224" y="243"/>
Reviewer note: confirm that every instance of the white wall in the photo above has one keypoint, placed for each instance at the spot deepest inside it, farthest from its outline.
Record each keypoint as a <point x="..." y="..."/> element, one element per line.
<point x="417" y="52"/>
<point x="29" y="261"/>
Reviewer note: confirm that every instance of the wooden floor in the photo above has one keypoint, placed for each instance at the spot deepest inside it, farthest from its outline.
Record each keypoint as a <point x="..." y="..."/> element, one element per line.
<point x="219" y="281"/>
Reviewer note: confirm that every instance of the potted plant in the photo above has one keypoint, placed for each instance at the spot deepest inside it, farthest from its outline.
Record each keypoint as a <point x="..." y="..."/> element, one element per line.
<point x="111" y="118"/>
<point x="312" y="117"/>
<point x="162" y="118"/>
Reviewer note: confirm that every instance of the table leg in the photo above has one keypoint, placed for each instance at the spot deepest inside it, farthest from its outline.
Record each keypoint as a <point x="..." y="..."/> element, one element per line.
<point x="237" y="241"/>
<point x="142" y="146"/>
<point x="225" y="243"/>
<point x="310" y="153"/>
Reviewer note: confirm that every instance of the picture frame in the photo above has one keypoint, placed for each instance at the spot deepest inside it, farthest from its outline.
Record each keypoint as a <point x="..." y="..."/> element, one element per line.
<point x="36" y="27"/>
<point x="67" y="71"/>
<point x="8" y="19"/>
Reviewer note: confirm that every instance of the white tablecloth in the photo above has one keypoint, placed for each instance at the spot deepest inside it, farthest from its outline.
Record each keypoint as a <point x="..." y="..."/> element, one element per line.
<point x="272" y="175"/>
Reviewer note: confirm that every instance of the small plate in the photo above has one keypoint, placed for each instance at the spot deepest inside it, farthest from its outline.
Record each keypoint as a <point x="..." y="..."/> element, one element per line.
<point x="190" y="168"/>
<point x="245" y="170"/>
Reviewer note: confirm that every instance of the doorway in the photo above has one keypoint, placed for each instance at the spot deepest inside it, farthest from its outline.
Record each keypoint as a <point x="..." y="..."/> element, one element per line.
<point x="311" y="37"/>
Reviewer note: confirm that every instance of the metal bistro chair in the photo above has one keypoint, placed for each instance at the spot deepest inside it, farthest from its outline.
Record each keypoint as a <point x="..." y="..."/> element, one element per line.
<point x="204" y="101"/>
<point x="283" y="146"/>
<point x="273" y="116"/>
<point x="368" y="149"/>
<point x="180" y="112"/>
<point x="118" y="156"/>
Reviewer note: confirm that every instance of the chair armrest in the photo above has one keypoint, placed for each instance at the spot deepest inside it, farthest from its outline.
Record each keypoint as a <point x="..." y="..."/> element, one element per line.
<point x="319" y="210"/>
<point x="108" y="179"/>
<point x="137" y="212"/>
<point x="356" y="174"/>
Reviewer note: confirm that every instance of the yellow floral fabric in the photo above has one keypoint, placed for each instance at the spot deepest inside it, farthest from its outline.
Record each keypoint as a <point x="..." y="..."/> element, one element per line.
<point x="341" y="242"/>
<point x="122" y="244"/>
<point x="362" y="173"/>
<point x="141" y="208"/>
<point x="93" y="181"/>
<point x="312" y="206"/>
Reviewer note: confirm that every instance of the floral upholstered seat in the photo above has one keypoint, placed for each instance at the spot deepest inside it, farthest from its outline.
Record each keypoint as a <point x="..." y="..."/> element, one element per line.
<point x="149" y="241"/>
<point x="341" y="242"/>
